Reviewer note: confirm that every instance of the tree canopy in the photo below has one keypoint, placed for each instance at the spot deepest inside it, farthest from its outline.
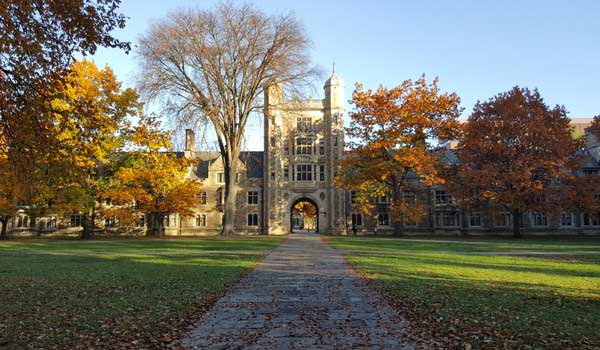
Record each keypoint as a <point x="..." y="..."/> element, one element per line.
<point x="394" y="134"/>
<point x="514" y="153"/>
<point x="212" y="66"/>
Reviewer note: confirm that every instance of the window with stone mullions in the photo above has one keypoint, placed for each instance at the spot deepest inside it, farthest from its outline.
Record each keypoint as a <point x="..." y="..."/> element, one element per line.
<point x="304" y="124"/>
<point x="304" y="172"/>
<point x="304" y="146"/>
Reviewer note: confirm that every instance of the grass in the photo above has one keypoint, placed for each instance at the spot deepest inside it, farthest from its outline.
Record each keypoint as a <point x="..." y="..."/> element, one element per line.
<point x="113" y="294"/>
<point x="490" y="293"/>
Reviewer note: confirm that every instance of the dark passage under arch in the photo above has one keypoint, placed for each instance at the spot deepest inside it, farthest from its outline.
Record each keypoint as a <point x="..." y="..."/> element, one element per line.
<point x="304" y="216"/>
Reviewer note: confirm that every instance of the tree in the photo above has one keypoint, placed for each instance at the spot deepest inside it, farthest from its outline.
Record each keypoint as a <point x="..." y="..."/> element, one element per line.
<point x="151" y="179"/>
<point x="213" y="67"/>
<point x="394" y="133"/>
<point x="515" y="152"/>
<point x="38" y="41"/>
<point x="90" y="114"/>
<point x="40" y="37"/>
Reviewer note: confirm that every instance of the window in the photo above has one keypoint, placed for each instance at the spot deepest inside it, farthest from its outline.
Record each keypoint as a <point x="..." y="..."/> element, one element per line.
<point x="76" y="220"/>
<point x="252" y="219"/>
<point x="51" y="223"/>
<point x="304" y="123"/>
<point x="110" y="222"/>
<point x="108" y="201"/>
<point x="304" y="146"/>
<point x="22" y="221"/>
<point x="220" y="178"/>
<point x="566" y="219"/>
<point x="286" y="148"/>
<point x="409" y="222"/>
<point x="321" y="146"/>
<point x="475" y="219"/>
<point x="272" y="141"/>
<point x="286" y="174"/>
<point x="273" y="176"/>
<point x="335" y="140"/>
<point x="335" y="117"/>
<point x="502" y="219"/>
<point x="447" y="219"/>
<point x="252" y="197"/>
<point x="539" y="220"/>
<point x="591" y="219"/>
<point x="166" y="221"/>
<point x="356" y="219"/>
<point x="352" y="197"/>
<point x="409" y="197"/>
<point x="220" y="196"/>
<point x="201" y="220"/>
<point x="202" y="197"/>
<point x="383" y="199"/>
<point x="591" y="171"/>
<point x="442" y="197"/>
<point x="383" y="219"/>
<point x="137" y="205"/>
<point x="321" y="172"/>
<point x="303" y="172"/>
<point x="141" y="221"/>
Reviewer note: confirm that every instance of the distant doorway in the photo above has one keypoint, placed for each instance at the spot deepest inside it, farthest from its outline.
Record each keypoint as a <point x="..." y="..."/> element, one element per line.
<point x="304" y="216"/>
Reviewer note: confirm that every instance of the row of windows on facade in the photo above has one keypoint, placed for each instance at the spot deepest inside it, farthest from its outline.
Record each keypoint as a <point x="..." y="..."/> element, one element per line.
<point x="304" y="123"/>
<point x="251" y="197"/>
<point x="503" y="219"/>
<point x="200" y="220"/>
<point x="305" y="146"/>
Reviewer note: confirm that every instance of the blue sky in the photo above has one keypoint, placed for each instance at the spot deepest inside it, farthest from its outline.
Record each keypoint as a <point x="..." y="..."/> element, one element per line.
<point x="476" y="48"/>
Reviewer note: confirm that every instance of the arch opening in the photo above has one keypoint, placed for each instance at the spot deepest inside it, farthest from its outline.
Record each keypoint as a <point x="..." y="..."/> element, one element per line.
<point x="304" y="216"/>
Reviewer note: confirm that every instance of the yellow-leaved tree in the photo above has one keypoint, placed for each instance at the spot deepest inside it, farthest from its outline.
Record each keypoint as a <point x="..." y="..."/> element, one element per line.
<point x="90" y="114"/>
<point x="151" y="179"/>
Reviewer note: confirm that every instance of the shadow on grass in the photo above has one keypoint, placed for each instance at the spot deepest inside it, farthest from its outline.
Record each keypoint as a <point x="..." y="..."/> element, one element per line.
<point x="106" y="300"/>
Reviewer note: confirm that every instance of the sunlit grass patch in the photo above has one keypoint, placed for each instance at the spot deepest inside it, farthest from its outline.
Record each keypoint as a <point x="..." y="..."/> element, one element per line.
<point x="491" y="301"/>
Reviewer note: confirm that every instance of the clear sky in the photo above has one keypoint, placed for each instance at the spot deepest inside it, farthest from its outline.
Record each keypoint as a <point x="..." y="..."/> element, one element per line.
<point x="477" y="48"/>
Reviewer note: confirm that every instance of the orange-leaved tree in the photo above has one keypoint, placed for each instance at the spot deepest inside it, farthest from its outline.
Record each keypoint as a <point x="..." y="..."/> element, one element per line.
<point x="514" y="153"/>
<point x="394" y="134"/>
<point x="151" y="179"/>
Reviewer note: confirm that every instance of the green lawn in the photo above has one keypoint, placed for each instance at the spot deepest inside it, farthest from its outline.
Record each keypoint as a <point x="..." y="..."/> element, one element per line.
<point x="113" y="294"/>
<point x="491" y="294"/>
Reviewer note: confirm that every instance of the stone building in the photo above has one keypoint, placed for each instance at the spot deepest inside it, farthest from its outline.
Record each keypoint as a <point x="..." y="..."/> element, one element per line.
<point x="303" y="139"/>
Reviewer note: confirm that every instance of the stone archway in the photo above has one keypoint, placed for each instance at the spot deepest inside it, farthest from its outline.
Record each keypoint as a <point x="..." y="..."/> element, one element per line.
<point x="304" y="215"/>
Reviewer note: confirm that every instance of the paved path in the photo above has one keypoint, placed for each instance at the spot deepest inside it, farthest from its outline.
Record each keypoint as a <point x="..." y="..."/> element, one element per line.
<point x="302" y="296"/>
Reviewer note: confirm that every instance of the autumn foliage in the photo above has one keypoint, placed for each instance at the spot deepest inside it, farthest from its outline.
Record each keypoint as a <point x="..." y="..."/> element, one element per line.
<point x="393" y="138"/>
<point x="515" y="152"/>
<point x="151" y="179"/>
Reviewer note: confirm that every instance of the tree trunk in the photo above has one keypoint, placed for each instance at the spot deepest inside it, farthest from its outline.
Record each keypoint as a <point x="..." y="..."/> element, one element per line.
<point x="155" y="225"/>
<point x="3" y="234"/>
<point x="230" y="164"/>
<point x="516" y="223"/>
<point x="88" y="224"/>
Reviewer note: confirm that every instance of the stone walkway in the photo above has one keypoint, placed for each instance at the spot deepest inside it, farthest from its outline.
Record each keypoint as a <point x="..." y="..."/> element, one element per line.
<point x="302" y="296"/>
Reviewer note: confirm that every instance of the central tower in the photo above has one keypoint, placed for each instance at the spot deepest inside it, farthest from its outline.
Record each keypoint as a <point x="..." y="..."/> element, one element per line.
<point x="303" y="140"/>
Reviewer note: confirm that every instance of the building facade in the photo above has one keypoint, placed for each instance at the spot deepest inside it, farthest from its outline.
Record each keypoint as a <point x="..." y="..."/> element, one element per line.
<point x="303" y="140"/>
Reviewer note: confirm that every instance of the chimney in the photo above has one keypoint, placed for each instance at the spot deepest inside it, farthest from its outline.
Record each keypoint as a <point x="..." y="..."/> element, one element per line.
<point x="190" y="143"/>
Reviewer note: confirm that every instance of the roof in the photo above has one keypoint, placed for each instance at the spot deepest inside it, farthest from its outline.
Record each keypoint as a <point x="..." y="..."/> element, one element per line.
<point x="252" y="159"/>
<point x="334" y="80"/>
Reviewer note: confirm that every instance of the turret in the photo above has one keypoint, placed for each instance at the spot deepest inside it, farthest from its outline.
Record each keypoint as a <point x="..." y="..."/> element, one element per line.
<point x="334" y="92"/>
